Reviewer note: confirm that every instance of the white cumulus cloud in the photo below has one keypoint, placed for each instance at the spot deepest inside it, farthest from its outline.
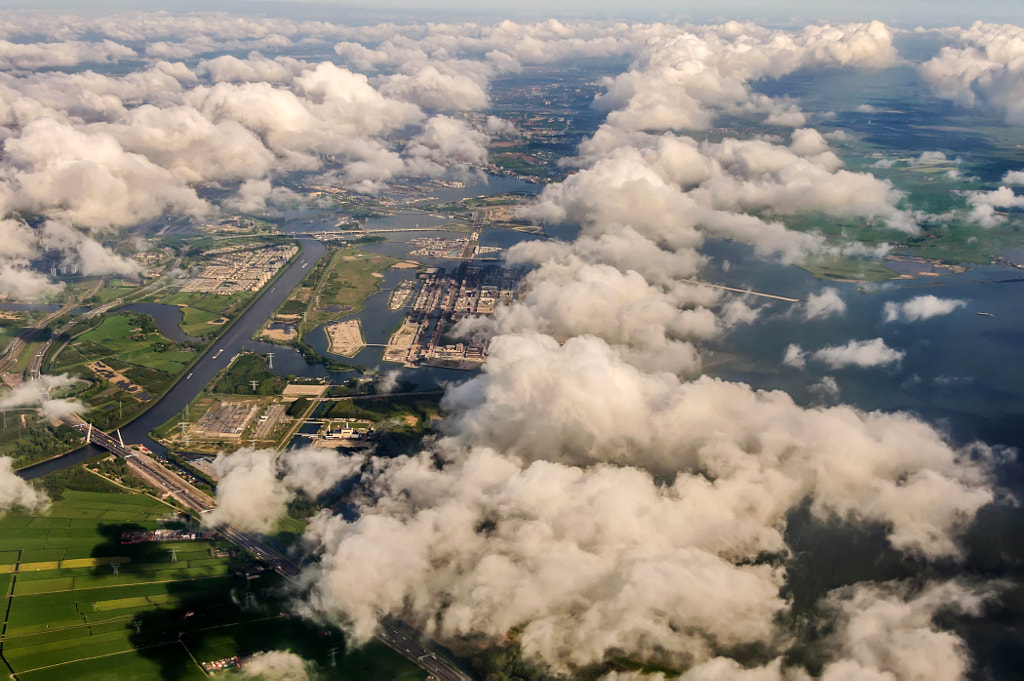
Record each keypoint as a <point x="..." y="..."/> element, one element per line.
<point x="921" y="307"/>
<point x="867" y="353"/>
<point x="824" y="304"/>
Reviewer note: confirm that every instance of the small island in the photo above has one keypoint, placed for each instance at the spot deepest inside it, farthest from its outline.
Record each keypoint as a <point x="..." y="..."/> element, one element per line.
<point x="345" y="338"/>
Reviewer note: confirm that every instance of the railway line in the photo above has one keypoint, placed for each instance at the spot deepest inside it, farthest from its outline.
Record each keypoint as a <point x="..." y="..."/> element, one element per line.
<point x="149" y="469"/>
<point x="398" y="636"/>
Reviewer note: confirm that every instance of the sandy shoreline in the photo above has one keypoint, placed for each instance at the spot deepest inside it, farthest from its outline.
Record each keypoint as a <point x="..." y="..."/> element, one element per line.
<point x="401" y="341"/>
<point x="279" y="335"/>
<point x="345" y="338"/>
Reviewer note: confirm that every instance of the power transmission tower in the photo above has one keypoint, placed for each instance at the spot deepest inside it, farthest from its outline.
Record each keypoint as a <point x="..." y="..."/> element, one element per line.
<point x="174" y="555"/>
<point x="115" y="566"/>
<point x="333" y="652"/>
<point x="253" y="384"/>
<point x="270" y="360"/>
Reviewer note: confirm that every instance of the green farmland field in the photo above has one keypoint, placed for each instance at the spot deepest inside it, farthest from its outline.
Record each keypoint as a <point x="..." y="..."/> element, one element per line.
<point x="66" y="608"/>
<point x="199" y="309"/>
<point x="79" y="604"/>
<point x="128" y="344"/>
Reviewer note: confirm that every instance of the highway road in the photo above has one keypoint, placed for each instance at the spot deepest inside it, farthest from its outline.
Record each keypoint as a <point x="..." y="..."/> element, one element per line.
<point x="426" y="654"/>
<point x="36" y="364"/>
<point x="169" y="482"/>
<point x="230" y="343"/>
<point x="14" y="348"/>
<point x="212" y="360"/>
<point x="398" y="636"/>
<point x="401" y="638"/>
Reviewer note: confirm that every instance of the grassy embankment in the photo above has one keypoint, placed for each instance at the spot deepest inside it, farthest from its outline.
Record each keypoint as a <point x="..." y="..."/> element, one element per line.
<point x="200" y="309"/>
<point x="336" y="288"/>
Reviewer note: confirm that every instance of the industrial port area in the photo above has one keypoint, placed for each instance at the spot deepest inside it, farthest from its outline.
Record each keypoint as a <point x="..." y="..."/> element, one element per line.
<point x="442" y="299"/>
<point x="228" y="399"/>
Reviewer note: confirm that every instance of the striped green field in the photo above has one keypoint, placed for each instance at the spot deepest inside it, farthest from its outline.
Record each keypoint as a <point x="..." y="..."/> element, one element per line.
<point x="80" y="605"/>
<point x="161" y="661"/>
<point x="75" y="592"/>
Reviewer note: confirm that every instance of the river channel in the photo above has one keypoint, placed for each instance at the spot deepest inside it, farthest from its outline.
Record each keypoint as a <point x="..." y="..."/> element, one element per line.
<point x="203" y="371"/>
<point x="378" y="321"/>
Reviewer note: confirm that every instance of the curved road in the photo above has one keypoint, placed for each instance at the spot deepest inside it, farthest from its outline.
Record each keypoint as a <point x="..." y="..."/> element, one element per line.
<point x="401" y="638"/>
<point x="187" y="387"/>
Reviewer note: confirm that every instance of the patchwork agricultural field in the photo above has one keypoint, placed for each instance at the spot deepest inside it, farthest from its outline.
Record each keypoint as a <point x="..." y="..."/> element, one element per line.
<point x="130" y="345"/>
<point x="73" y="592"/>
<point x="125" y="337"/>
<point x="79" y="604"/>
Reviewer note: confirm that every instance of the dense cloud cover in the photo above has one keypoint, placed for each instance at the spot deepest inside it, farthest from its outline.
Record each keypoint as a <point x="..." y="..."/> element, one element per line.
<point x="676" y="191"/>
<point x="680" y="76"/>
<point x="985" y="67"/>
<point x="545" y="513"/>
<point x="589" y="486"/>
<point x="16" y="493"/>
<point x="276" y="665"/>
<point x="95" y="153"/>
<point x="101" y="152"/>
<point x="256" y="485"/>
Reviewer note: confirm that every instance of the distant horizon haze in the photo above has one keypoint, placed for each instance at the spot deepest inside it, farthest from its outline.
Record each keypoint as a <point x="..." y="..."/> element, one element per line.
<point x="907" y="14"/>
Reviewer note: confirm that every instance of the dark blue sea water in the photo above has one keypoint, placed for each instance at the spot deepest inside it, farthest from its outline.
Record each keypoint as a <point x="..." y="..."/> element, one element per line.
<point x="961" y="371"/>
